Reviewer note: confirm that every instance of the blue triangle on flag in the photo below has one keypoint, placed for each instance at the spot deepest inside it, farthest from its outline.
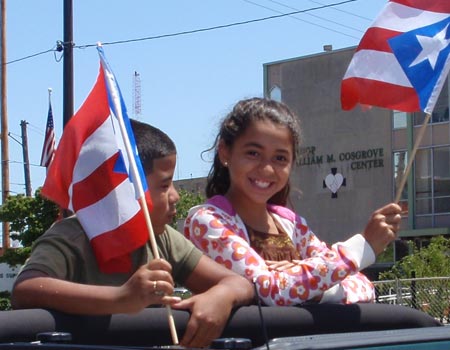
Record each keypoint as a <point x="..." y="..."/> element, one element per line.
<point x="421" y="73"/>
<point x="120" y="166"/>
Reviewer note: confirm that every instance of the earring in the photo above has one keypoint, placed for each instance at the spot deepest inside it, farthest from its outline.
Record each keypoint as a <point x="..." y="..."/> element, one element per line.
<point x="225" y="164"/>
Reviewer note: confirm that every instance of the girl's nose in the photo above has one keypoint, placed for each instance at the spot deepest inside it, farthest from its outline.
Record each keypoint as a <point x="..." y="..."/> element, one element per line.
<point x="266" y="167"/>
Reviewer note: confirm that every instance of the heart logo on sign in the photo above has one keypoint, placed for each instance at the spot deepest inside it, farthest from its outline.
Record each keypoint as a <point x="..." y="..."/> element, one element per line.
<point x="333" y="182"/>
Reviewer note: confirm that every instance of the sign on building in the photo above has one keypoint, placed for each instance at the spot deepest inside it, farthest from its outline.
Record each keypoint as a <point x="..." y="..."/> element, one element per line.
<point x="8" y="275"/>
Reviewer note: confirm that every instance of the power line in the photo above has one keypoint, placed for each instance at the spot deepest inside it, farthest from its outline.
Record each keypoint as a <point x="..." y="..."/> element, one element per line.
<point x="300" y="19"/>
<point x="31" y="56"/>
<point x="343" y="11"/>
<point x="219" y="26"/>
<point x="187" y="32"/>
<point x="22" y="163"/>
<point x="321" y="18"/>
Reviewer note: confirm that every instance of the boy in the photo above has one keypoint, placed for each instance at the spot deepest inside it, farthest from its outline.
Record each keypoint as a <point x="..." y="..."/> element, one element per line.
<point x="62" y="273"/>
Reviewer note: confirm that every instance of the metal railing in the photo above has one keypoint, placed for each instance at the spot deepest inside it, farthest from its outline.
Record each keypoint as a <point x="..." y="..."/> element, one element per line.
<point x="431" y="295"/>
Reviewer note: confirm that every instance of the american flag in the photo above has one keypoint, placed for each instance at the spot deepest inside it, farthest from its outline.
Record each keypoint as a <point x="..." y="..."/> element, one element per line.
<point x="48" y="150"/>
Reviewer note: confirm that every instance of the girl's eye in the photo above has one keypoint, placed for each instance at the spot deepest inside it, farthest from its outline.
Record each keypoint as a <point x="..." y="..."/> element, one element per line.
<point x="281" y="159"/>
<point x="252" y="153"/>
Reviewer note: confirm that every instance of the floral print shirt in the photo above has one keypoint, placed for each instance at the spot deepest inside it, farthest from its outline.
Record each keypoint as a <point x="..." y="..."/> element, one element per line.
<point x="323" y="274"/>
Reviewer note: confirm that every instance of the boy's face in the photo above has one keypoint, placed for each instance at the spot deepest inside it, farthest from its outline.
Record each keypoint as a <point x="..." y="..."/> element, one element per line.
<point x="163" y="193"/>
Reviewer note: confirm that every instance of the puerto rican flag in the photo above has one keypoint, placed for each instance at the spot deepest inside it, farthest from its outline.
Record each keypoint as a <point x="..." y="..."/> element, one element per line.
<point x="402" y="60"/>
<point x="90" y="175"/>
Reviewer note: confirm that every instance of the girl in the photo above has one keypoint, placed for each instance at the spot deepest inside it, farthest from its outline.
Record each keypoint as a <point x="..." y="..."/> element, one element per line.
<point x="246" y="226"/>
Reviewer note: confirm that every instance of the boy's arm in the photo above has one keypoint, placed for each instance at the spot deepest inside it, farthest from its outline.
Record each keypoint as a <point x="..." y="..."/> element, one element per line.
<point x="35" y="289"/>
<point x="216" y="291"/>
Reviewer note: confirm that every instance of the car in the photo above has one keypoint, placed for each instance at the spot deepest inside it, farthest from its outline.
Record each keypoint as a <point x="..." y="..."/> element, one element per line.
<point x="310" y="326"/>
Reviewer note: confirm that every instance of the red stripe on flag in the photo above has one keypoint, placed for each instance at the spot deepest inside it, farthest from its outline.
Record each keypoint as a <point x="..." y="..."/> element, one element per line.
<point x="103" y="178"/>
<point x="427" y="5"/>
<point x="89" y="117"/>
<point x="108" y="247"/>
<point x="376" y="39"/>
<point x="358" y="90"/>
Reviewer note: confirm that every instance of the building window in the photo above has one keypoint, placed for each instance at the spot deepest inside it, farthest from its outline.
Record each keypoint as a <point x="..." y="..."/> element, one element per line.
<point x="399" y="119"/>
<point x="400" y="162"/>
<point x="423" y="182"/>
<point x="432" y="181"/>
<point x="275" y="94"/>
<point x="441" y="179"/>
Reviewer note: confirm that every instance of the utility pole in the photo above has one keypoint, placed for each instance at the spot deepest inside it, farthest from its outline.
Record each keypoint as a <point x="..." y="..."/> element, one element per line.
<point x="68" y="62"/>
<point x="26" y="161"/>
<point x="4" y="122"/>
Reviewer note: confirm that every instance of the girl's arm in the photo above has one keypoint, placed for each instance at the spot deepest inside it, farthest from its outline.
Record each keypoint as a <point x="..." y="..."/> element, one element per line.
<point x="220" y="237"/>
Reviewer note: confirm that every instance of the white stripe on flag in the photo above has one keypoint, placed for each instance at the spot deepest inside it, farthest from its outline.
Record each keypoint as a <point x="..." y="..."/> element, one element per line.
<point x="377" y="65"/>
<point x="97" y="148"/>
<point x="98" y="216"/>
<point x="397" y="17"/>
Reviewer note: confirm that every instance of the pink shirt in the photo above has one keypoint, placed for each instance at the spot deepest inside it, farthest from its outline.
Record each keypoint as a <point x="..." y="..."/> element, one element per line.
<point x="328" y="274"/>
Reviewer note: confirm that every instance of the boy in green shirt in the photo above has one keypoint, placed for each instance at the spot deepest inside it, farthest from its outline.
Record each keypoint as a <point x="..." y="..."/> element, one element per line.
<point x="62" y="273"/>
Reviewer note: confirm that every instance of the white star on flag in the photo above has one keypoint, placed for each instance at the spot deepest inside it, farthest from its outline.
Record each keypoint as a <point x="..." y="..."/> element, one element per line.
<point x="431" y="47"/>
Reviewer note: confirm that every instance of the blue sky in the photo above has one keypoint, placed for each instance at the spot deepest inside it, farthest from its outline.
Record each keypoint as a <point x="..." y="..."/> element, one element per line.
<point x="188" y="82"/>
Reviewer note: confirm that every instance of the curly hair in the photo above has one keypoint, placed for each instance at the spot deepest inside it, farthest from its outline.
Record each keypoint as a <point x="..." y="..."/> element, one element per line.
<point x="234" y="125"/>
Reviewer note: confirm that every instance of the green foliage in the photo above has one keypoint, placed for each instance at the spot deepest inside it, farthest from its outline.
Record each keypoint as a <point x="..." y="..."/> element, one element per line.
<point x="430" y="261"/>
<point x="16" y="256"/>
<point x="387" y="256"/>
<point x="5" y="303"/>
<point x="186" y="202"/>
<point x="29" y="218"/>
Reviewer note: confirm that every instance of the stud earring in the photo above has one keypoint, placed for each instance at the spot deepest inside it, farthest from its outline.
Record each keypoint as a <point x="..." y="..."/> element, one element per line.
<point x="225" y="164"/>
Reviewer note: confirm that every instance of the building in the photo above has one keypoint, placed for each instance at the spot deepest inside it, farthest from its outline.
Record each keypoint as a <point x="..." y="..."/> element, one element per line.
<point x="352" y="161"/>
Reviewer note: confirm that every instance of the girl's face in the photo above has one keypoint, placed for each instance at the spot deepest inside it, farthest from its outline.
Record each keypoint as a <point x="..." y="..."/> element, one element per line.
<point x="259" y="162"/>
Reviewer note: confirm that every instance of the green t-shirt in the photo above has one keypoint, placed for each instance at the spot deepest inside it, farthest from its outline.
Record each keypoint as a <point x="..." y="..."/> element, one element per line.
<point x="64" y="252"/>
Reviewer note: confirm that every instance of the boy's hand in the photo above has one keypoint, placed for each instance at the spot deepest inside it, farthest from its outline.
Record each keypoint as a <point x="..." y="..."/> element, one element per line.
<point x="383" y="226"/>
<point x="150" y="284"/>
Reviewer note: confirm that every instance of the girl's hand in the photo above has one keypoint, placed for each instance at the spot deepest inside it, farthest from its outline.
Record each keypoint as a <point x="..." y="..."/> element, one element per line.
<point x="383" y="226"/>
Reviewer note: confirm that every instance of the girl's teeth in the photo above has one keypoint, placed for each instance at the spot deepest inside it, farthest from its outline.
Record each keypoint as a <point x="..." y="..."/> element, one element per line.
<point x="262" y="184"/>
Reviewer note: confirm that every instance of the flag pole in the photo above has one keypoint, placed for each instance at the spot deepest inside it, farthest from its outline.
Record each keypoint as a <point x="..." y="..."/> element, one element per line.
<point x="135" y="174"/>
<point x="411" y="158"/>
<point x="49" y="104"/>
<point x="144" y="207"/>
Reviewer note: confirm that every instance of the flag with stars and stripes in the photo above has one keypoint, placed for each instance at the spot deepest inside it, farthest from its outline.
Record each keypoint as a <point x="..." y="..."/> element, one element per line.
<point x="402" y="60"/>
<point x="48" y="149"/>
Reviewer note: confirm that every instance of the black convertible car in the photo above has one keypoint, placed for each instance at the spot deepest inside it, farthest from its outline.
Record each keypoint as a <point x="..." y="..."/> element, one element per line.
<point x="314" y="326"/>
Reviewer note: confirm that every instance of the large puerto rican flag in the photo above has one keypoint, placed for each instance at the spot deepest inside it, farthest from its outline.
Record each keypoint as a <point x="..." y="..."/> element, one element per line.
<point x="90" y="175"/>
<point x="402" y="60"/>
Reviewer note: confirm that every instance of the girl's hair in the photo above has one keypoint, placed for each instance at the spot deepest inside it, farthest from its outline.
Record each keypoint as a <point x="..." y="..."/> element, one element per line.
<point x="234" y="125"/>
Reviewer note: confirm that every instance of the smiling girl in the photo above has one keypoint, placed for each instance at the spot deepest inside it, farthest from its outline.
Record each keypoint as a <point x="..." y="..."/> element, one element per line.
<point x="247" y="226"/>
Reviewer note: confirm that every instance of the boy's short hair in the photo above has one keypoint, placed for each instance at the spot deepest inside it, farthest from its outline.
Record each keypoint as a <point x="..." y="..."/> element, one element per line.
<point x="152" y="143"/>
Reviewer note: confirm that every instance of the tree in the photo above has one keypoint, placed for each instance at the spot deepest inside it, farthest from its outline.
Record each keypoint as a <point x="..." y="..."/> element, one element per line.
<point x="430" y="261"/>
<point x="186" y="202"/>
<point x="29" y="218"/>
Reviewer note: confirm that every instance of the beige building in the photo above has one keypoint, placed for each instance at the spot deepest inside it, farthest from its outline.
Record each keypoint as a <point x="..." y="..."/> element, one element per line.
<point x="352" y="160"/>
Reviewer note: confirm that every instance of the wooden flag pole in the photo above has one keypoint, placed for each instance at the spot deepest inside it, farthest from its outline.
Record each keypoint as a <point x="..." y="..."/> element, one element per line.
<point x="411" y="158"/>
<point x="114" y="91"/>
<point x="151" y="234"/>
